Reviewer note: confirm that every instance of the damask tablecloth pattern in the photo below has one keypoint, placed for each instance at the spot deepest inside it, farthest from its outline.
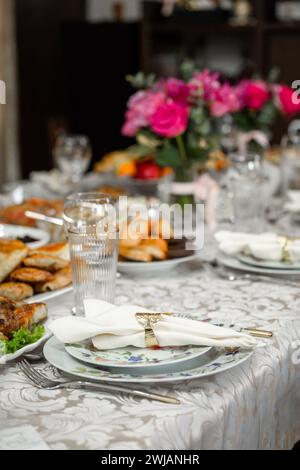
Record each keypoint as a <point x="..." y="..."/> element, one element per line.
<point x="253" y="406"/>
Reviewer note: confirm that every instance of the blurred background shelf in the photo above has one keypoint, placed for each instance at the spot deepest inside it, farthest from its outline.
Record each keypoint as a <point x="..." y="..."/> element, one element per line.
<point x="72" y="72"/>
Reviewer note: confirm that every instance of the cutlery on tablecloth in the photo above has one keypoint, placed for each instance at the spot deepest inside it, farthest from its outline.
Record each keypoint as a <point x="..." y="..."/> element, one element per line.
<point x="43" y="382"/>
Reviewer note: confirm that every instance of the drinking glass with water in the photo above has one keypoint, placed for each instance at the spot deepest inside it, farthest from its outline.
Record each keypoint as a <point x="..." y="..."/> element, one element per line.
<point x="90" y="224"/>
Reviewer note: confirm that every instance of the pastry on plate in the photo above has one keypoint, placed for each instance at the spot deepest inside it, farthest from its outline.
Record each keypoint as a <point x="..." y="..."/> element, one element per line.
<point x="59" y="280"/>
<point x="14" y="315"/>
<point x="56" y="249"/>
<point x="135" y="254"/>
<point x="157" y="249"/>
<point x="43" y="261"/>
<point x="31" y="275"/>
<point x="16" y="290"/>
<point x="12" y="252"/>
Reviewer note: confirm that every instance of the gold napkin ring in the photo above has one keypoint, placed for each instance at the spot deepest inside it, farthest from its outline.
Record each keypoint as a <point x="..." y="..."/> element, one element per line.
<point x="148" y="320"/>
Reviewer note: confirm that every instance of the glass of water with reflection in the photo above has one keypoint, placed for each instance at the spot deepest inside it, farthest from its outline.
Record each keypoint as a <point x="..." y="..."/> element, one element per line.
<point x="90" y="225"/>
<point x="247" y="183"/>
<point x="72" y="154"/>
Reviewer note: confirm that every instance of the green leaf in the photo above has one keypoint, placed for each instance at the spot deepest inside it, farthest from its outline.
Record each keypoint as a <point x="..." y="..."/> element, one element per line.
<point x="141" y="81"/>
<point x="141" y="150"/>
<point x="23" y="337"/>
<point x="146" y="138"/>
<point x="187" y="69"/>
<point x="168" y="156"/>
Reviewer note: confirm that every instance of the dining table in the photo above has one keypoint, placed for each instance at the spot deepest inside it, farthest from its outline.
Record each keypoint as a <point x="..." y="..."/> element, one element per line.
<point x="255" y="405"/>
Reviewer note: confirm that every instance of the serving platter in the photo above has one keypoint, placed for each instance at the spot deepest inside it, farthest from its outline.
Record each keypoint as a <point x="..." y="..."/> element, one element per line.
<point x="41" y="237"/>
<point x="25" y="350"/>
<point x="133" y="267"/>
<point x="49" y="295"/>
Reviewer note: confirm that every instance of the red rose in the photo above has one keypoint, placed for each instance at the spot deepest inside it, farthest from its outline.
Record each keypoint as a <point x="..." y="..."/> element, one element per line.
<point x="170" y="120"/>
<point x="287" y="100"/>
<point x="256" y="94"/>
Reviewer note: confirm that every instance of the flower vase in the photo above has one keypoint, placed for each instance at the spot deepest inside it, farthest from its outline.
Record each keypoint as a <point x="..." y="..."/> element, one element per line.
<point x="183" y="186"/>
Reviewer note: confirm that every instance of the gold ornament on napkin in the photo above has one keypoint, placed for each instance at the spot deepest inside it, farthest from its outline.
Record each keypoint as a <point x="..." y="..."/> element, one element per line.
<point x="148" y="320"/>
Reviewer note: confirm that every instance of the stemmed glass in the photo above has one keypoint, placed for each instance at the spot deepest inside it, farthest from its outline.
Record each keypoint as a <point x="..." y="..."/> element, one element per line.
<point x="72" y="154"/>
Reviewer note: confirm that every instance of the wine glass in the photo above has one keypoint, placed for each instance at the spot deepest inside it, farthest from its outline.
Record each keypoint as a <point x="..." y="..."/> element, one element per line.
<point x="72" y="154"/>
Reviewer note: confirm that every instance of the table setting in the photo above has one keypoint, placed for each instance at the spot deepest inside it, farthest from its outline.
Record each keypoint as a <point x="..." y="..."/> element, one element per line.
<point x="124" y="325"/>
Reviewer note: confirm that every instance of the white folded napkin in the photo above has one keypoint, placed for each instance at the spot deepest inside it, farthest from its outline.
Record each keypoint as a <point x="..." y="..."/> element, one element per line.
<point x="265" y="246"/>
<point x="112" y="327"/>
<point x="293" y="204"/>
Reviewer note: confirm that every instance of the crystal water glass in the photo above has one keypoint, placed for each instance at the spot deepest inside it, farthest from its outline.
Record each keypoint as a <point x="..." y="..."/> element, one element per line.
<point x="72" y="154"/>
<point x="90" y="225"/>
<point x="247" y="183"/>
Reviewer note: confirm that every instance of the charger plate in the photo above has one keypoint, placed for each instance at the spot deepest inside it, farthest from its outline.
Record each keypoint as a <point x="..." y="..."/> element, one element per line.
<point x="217" y="361"/>
<point x="234" y="263"/>
<point x="279" y="265"/>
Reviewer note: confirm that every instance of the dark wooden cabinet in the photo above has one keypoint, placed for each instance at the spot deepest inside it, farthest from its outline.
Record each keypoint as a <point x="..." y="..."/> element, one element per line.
<point x="265" y="43"/>
<point x="97" y="58"/>
<point x="40" y="74"/>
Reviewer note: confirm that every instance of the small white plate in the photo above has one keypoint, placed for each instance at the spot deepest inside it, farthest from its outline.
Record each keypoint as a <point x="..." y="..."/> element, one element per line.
<point x="281" y="265"/>
<point x="137" y="360"/>
<point x="234" y="263"/>
<point x="27" y="349"/>
<point x="133" y="267"/>
<point x="216" y="362"/>
<point x="16" y="231"/>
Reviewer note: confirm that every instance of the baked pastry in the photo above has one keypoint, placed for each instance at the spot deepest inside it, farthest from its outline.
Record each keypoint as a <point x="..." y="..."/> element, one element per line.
<point x="14" y="316"/>
<point x="31" y="275"/>
<point x="131" y="234"/>
<point x="16" y="290"/>
<point x="60" y="250"/>
<point x="43" y="261"/>
<point x="135" y="254"/>
<point x="59" y="280"/>
<point x="157" y="249"/>
<point x="12" y="252"/>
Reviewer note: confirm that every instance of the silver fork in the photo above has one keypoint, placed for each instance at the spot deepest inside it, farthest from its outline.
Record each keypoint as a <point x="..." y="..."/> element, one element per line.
<point x="43" y="382"/>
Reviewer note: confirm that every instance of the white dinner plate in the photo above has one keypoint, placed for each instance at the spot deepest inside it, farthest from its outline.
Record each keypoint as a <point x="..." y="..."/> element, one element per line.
<point x="278" y="265"/>
<point x="234" y="263"/>
<point x="217" y="362"/>
<point x="19" y="232"/>
<point x="131" y="360"/>
<point x="49" y="295"/>
<point x="133" y="267"/>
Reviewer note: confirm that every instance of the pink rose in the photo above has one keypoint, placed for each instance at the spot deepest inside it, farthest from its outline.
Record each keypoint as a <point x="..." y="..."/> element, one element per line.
<point x="208" y="82"/>
<point x="178" y="90"/>
<point x="286" y="100"/>
<point x="225" y="101"/>
<point x="254" y="94"/>
<point x="170" y="120"/>
<point x="141" y="107"/>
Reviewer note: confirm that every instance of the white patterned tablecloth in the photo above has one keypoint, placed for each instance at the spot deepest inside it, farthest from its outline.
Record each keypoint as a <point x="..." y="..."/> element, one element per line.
<point x="254" y="406"/>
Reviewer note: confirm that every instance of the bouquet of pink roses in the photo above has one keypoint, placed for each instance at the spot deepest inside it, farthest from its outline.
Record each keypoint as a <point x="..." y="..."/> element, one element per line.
<point x="260" y="104"/>
<point x="176" y="120"/>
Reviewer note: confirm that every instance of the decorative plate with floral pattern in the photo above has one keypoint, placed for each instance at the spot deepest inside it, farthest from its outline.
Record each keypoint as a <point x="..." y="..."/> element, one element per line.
<point x="131" y="358"/>
<point x="216" y="361"/>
